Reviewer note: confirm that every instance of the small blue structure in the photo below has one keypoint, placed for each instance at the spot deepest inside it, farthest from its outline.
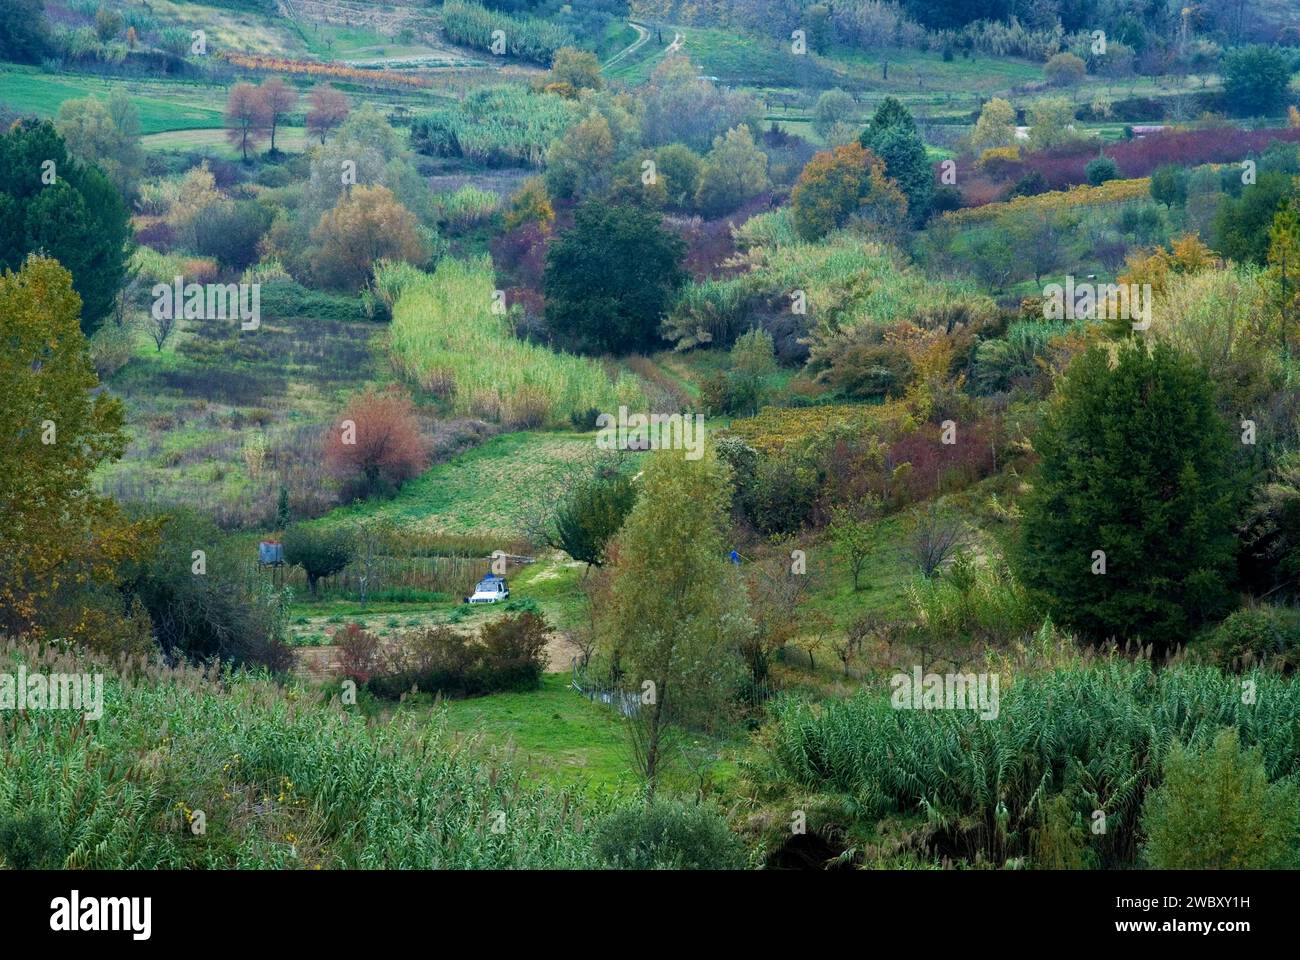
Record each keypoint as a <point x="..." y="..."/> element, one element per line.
<point x="270" y="553"/>
<point x="734" y="557"/>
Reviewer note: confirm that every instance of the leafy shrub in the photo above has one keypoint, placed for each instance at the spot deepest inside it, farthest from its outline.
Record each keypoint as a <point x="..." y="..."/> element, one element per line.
<point x="1030" y="185"/>
<point x="1169" y="185"/>
<point x="321" y="552"/>
<point x="1255" y="80"/>
<point x="778" y="495"/>
<point x="1216" y="810"/>
<point x="971" y="605"/>
<point x="31" y="843"/>
<point x="1259" y="634"/>
<point x="508" y="654"/>
<point x="213" y="615"/>
<point x="230" y="232"/>
<point x="668" y="835"/>
<point x="1015" y="359"/>
<point x="1100" y="169"/>
<point x="358" y="652"/>
<point x="587" y="519"/>
<point x="381" y="449"/>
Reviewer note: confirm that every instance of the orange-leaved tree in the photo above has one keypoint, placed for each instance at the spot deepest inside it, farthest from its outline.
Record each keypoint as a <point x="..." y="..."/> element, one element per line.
<point x="327" y="109"/>
<point x="367" y="224"/>
<point x="246" y="117"/>
<point x="278" y="101"/>
<point x="847" y="183"/>
<point x="376" y="443"/>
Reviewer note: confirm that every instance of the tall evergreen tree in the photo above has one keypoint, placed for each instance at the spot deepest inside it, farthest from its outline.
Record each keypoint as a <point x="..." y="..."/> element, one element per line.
<point x="1128" y="527"/>
<point x="53" y="205"/>
<point x="892" y="136"/>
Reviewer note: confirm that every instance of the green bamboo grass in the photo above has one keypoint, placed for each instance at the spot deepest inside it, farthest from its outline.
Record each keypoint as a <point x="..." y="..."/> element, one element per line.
<point x="446" y="337"/>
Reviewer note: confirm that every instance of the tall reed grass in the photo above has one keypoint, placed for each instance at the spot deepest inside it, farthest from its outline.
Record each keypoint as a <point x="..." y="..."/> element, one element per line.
<point x="282" y="779"/>
<point x="1094" y="732"/>
<point x="446" y="337"/>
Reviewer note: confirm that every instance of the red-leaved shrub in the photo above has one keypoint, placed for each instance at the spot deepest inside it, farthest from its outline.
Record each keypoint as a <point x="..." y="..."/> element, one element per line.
<point x="376" y="444"/>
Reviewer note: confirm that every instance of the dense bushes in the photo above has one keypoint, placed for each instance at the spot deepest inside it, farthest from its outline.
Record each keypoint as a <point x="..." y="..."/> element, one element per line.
<point x="775" y="493"/>
<point x="1216" y="810"/>
<point x="668" y="835"/>
<point x="230" y="231"/>
<point x="200" y="602"/>
<point x="508" y="654"/>
<point x="1260" y="634"/>
<point x="284" y="298"/>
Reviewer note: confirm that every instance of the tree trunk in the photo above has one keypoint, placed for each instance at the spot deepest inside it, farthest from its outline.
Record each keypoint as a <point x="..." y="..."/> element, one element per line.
<point x="652" y="747"/>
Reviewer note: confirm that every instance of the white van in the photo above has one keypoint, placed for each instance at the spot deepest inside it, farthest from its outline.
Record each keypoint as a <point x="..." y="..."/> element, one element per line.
<point x="490" y="589"/>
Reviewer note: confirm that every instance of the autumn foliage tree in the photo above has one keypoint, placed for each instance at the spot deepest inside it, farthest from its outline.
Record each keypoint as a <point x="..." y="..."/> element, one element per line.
<point x="844" y="184"/>
<point x="376" y="444"/>
<point x="327" y="109"/>
<point x="278" y="100"/>
<point x="246" y="117"/>
<point x="58" y="538"/>
<point x="367" y="224"/>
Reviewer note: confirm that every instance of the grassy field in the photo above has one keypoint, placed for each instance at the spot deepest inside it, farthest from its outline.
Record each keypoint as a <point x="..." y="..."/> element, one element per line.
<point x="163" y="105"/>
<point x="560" y="738"/>
<point x="556" y="735"/>
<point x="214" y="142"/>
<point x="232" y="29"/>
<point x="490" y="489"/>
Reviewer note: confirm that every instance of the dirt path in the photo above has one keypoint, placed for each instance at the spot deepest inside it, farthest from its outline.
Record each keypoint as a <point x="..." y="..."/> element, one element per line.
<point x="642" y="35"/>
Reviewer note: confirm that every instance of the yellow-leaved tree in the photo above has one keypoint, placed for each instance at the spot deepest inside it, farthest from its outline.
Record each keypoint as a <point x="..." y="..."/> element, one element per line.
<point x="60" y="542"/>
<point x="678" y="611"/>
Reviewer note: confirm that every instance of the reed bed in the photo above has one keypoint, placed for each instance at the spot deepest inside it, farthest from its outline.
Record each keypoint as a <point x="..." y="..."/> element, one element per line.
<point x="446" y="337"/>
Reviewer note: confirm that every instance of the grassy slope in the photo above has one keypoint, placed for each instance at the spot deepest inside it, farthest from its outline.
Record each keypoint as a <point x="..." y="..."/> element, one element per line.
<point x="489" y="489"/>
<point x="557" y="736"/>
<point x="163" y="105"/>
